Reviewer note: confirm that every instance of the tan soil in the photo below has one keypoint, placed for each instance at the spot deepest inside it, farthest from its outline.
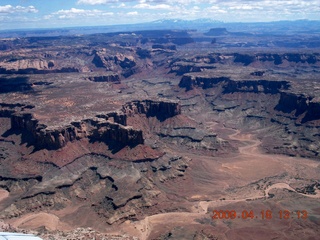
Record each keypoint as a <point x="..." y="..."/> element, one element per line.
<point x="3" y="194"/>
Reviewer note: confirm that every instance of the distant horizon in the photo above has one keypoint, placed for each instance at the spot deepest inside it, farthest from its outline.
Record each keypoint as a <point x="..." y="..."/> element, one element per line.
<point x="214" y="21"/>
<point x="34" y="14"/>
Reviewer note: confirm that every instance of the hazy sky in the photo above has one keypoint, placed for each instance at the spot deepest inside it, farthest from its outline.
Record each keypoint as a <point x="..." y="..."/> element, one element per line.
<point x="64" y="13"/>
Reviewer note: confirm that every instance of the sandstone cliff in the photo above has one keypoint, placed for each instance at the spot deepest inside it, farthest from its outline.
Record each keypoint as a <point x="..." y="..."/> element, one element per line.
<point x="97" y="129"/>
<point x="122" y="63"/>
<point x="159" y="109"/>
<point x="199" y="63"/>
<point x="189" y="81"/>
<point x="109" y="128"/>
<point x="111" y="77"/>
<point x="308" y="108"/>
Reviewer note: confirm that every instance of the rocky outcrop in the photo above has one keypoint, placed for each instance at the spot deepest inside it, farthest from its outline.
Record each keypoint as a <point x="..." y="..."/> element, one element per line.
<point x="98" y="60"/>
<point x="313" y="111"/>
<point x="159" y="109"/>
<point x="125" y="61"/>
<point x="192" y="138"/>
<point x="267" y="59"/>
<point x="189" y="81"/>
<point x="246" y="59"/>
<point x="122" y="63"/>
<point x="143" y="53"/>
<point x="278" y="59"/>
<point x="7" y="109"/>
<point x="111" y="133"/>
<point x="97" y="129"/>
<point x="165" y="47"/>
<point x="256" y="86"/>
<point x="299" y="104"/>
<point x="14" y="84"/>
<point x="112" y="77"/>
<point x="103" y="59"/>
<point x="179" y="37"/>
<point x="181" y="68"/>
<point x="109" y="128"/>
<point x="217" y="32"/>
<point x="116" y="117"/>
<point x="27" y="65"/>
<point x="182" y="40"/>
<point x="16" y="64"/>
<point x="290" y="102"/>
<point x="42" y="137"/>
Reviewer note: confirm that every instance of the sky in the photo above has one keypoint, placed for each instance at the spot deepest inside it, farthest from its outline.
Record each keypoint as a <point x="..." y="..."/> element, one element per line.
<point x="16" y="14"/>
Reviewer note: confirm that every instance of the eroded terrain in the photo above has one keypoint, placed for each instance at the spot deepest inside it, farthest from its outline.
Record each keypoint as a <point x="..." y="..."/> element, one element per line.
<point x="143" y="135"/>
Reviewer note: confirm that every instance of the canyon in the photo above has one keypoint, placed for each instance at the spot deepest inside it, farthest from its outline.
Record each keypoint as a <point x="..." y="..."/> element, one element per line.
<point x="143" y="134"/>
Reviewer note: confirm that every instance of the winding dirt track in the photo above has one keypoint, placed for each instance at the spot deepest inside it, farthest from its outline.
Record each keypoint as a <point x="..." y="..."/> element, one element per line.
<point x="250" y="151"/>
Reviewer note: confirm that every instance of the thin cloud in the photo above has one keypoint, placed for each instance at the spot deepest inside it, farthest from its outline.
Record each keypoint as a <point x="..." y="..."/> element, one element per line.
<point x="132" y="13"/>
<point x="153" y="7"/>
<point x="97" y="2"/>
<point x="76" y="13"/>
<point x="17" y="9"/>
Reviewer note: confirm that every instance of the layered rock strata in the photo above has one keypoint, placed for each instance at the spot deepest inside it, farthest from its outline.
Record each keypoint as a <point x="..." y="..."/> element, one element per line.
<point x="299" y="104"/>
<point x="109" y="128"/>
<point x="159" y="109"/>
<point x="96" y="129"/>
<point x="111" y="77"/>
<point x="189" y="81"/>
<point x="268" y="59"/>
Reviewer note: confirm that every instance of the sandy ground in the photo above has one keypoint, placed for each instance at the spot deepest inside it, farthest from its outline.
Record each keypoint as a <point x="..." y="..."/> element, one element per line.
<point x="3" y="194"/>
<point x="33" y="221"/>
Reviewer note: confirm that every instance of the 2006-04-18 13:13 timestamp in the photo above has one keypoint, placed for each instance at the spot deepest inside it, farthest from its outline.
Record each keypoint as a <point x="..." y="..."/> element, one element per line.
<point x="264" y="214"/>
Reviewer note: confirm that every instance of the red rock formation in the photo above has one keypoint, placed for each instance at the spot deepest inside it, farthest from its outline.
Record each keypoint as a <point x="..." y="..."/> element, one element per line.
<point x="189" y="81"/>
<point x="109" y="128"/>
<point x="160" y="109"/>
<point x="96" y="130"/>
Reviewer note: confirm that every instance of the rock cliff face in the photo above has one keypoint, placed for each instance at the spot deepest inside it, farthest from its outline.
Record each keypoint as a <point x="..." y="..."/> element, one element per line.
<point x="181" y="68"/>
<point x="26" y="64"/>
<point x="165" y="47"/>
<point x="109" y="128"/>
<point x="30" y="66"/>
<point x="291" y="57"/>
<point x="229" y="86"/>
<point x="14" y="84"/>
<point x="256" y="86"/>
<point x="290" y="102"/>
<point x="159" y="109"/>
<point x="122" y="63"/>
<point x="111" y="133"/>
<point x="299" y="105"/>
<point x="7" y="110"/>
<point x="276" y="59"/>
<point x="112" y="77"/>
<point x="217" y="32"/>
<point x="95" y="129"/>
<point x="201" y="63"/>
<point x="313" y="111"/>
